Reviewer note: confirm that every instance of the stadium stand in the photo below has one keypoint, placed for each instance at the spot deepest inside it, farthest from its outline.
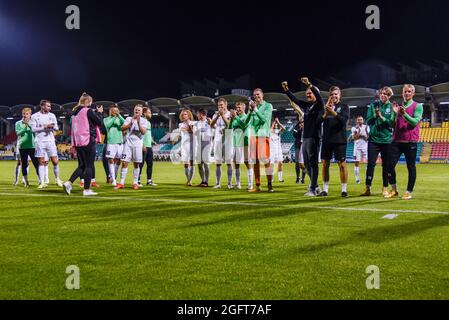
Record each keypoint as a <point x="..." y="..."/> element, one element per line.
<point x="440" y="153"/>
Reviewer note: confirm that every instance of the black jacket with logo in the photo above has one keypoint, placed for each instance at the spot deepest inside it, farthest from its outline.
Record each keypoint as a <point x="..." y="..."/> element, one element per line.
<point x="334" y="128"/>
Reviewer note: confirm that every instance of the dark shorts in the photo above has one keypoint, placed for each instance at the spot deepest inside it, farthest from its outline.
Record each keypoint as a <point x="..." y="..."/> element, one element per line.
<point x="336" y="151"/>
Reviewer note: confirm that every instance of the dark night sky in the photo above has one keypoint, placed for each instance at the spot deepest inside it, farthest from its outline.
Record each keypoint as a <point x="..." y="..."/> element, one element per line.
<point x="141" y="49"/>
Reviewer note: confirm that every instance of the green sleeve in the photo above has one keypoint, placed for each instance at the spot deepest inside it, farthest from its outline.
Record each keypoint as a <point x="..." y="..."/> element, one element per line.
<point x="417" y="116"/>
<point x="391" y="121"/>
<point x="108" y="122"/>
<point x="21" y="129"/>
<point x="371" y="116"/>
<point x="262" y="116"/>
<point x="231" y="124"/>
<point x="240" y="123"/>
<point x="122" y="120"/>
<point x="248" y="119"/>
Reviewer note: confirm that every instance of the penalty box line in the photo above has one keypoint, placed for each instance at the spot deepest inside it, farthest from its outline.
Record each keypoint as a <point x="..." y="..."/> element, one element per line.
<point x="206" y="202"/>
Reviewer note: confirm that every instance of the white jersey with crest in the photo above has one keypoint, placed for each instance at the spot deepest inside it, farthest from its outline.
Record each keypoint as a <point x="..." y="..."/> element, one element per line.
<point x="363" y="131"/>
<point x="134" y="136"/>
<point x="38" y="122"/>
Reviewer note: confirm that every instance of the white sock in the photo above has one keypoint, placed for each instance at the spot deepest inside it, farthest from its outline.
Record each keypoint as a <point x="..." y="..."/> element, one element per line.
<point x="112" y="172"/>
<point x="93" y="180"/>
<point x="237" y="176"/>
<point x="201" y="171"/>
<point x="17" y="172"/>
<point x="117" y="167"/>
<point x="123" y="175"/>
<point x="229" y="175"/>
<point x="250" y="177"/>
<point x="46" y="173"/>
<point x="206" y="173"/>
<point x="136" y="172"/>
<point x="343" y="187"/>
<point x="357" y="172"/>
<point x="186" y="172"/>
<point x="42" y="174"/>
<point x="82" y="180"/>
<point x="326" y="187"/>
<point x="280" y="175"/>
<point x="191" y="173"/>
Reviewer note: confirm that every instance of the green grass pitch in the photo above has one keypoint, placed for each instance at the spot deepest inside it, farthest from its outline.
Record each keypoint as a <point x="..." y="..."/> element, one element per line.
<point x="175" y="242"/>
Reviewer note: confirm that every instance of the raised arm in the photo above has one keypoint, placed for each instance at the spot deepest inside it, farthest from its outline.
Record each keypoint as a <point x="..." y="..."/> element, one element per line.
<point x="214" y="120"/>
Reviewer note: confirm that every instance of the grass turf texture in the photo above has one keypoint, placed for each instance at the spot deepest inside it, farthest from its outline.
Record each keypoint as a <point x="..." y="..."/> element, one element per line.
<point x="175" y="242"/>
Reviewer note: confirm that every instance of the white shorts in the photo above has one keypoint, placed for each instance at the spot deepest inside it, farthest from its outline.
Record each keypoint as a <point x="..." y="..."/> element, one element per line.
<point x="223" y="152"/>
<point x="133" y="153"/>
<point x="114" y="151"/>
<point x="239" y="155"/>
<point x="203" y="153"/>
<point x="276" y="153"/>
<point x="360" y="154"/>
<point x="46" y="149"/>
<point x="187" y="152"/>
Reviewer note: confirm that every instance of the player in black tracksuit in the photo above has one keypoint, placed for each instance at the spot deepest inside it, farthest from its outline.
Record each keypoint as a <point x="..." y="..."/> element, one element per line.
<point x="313" y="110"/>
<point x="334" y="119"/>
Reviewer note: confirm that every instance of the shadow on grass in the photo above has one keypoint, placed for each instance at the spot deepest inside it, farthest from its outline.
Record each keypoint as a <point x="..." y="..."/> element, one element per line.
<point x="255" y="215"/>
<point x="380" y="234"/>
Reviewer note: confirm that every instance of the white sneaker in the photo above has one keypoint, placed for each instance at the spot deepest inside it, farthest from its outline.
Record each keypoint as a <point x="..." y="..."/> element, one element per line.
<point x="310" y="194"/>
<point x="59" y="182"/>
<point x="89" y="192"/>
<point x="217" y="186"/>
<point x="230" y="186"/>
<point x="114" y="183"/>
<point x="42" y="186"/>
<point x="239" y="186"/>
<point x="67" y="187"/>
<point x="47" y="181"/>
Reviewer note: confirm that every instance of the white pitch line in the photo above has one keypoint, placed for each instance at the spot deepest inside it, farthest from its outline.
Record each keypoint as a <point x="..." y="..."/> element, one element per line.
<point x="248" y="204"/>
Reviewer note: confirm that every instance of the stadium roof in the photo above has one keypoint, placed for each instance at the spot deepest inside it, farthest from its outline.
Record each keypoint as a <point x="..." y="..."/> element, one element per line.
<point x="166" y="105"/>
<point x="358" y="96"/>
<point x="198" y="101"/>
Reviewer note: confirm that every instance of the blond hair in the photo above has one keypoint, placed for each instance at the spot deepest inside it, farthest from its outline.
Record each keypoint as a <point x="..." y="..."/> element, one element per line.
<point x="410" y="86"/>
<point x="27" y="110"/>
<point x="188" y="112"/>
<point x="84" y="97"/>
<point x="388" y="91"/>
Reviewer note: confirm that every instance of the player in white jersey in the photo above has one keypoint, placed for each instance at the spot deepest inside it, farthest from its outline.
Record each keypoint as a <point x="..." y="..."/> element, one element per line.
<point x="187" y="128"/>
<point x="276" y="156"/>
<point x="43" y="124"/>
<point x="360" y="134"/>
<point x="222" y="142"/>
<point x="132" y="149"/>
<point x="203" y="138"/>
